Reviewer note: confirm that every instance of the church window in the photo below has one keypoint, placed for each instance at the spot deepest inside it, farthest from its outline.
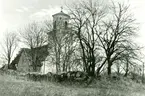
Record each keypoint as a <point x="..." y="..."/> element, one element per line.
<point x="66" y="24"/>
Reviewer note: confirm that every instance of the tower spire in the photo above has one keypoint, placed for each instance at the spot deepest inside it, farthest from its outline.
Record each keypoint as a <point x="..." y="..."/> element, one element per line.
<point x="61" y="8"/>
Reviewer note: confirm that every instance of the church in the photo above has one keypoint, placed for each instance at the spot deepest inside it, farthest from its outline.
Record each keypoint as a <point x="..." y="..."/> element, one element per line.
<point x="22" y="62"/>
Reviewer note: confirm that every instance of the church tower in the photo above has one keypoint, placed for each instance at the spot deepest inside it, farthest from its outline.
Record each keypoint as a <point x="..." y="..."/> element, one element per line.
<point x="60" y="20"/>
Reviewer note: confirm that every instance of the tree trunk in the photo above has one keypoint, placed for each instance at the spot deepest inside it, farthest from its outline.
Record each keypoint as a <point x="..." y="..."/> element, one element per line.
<point x="34" y="67"/>
<point x="118" y="70"/>
<point x="127" y="69"/>
<point x="99" y="68"/>
<point x="98" y="71"/>
<point x="57" y="67"/>
<point x="44" y="67"/>
<point x="9" y="63"/>
<point x="109" y="69"/>
<point x="143" y="74"/>
<point x="109" y="66"/>
<point x="64" y="67"/>
<point x="91" y="69"/>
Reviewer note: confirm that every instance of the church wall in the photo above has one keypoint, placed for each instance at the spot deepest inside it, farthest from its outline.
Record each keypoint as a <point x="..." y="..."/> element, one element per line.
<point x="23" y="64"/>
<point x="48" y="66"/>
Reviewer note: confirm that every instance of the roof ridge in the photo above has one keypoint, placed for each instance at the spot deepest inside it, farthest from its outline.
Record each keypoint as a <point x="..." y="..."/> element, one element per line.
<point x="61" y="13"/>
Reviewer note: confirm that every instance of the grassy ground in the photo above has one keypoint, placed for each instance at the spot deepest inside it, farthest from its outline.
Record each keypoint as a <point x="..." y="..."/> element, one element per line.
<point x="10" y="86"/>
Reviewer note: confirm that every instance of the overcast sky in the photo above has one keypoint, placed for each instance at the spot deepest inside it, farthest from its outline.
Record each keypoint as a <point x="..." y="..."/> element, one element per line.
<point x="16" y="13"/>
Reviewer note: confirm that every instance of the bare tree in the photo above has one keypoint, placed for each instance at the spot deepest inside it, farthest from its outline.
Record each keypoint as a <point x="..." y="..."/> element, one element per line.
<point x="116" y="34"/>
<point x="9" y="46"/>
<point x="62" y="46"/>
<point x="34" y="37"/>
<point x="86" y="17"/>
<point x="108" y="32"/>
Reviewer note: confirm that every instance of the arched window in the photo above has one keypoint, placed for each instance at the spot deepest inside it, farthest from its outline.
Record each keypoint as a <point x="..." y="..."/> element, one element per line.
<point x="66" y="24"/>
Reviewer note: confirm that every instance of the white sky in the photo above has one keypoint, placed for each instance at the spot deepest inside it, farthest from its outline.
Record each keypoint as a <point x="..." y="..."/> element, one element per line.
<point x="16" y="13"/>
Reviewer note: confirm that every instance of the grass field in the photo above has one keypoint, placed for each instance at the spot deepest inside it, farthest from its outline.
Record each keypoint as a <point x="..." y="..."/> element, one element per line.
<point x="10" y="86"/>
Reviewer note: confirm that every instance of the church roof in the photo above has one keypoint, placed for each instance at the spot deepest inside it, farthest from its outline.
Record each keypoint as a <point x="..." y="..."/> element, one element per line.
<point x="42" y="53"/>
<point x="61" y="13"/>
